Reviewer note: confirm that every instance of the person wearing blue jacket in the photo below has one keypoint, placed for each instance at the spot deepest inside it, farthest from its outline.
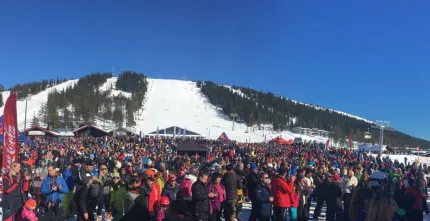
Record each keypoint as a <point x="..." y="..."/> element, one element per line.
<point x="263" y="198"/>
<point x="53" y="187"/>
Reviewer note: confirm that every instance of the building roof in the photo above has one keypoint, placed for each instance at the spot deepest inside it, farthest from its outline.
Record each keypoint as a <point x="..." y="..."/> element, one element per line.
<point x="191" y="146"/>
<point x="90" y="126"/>
<point x="175" y="131"/>
<point x="53" y="133"/>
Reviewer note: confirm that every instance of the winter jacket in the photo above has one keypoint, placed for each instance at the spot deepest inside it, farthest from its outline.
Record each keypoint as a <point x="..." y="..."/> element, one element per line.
<point x="13" y="191"/>
<point x="295" y="199"/>
<point x="282" y="191"/>
<point x="117" y="200"/>
<point x="170" y="192"/>
<point x="262" y="196"/>
<point x="215" y="203"/>
<point x="145" y="204"/>
<point x="361" y="216"/>
<point x="36" y="186"/>
<point x="200" y="198"/>
<point x="130" y="197"/>
<point x="28" y="215"/>
<point x="414" y="199"/>
<point x="54" y="196"/>
<point x="252" y="182"/>
<point x="193" y="179"/>
<point x="231" y="184"/>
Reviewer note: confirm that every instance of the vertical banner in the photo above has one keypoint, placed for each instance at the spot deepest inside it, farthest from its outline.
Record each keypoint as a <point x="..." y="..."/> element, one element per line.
<point x="10" y="132"/>
<point x="10" y="137"/>
<point x="350" y="142"/>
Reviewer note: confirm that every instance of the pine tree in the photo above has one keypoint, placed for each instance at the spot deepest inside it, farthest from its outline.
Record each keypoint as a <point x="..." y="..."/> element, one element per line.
<point x="35" y="121"/>
<point x="118" y="117"/>
<point x="43" y="113"/>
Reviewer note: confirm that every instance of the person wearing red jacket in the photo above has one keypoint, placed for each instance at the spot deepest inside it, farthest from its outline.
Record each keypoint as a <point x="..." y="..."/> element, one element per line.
<point x="282" y="191"/>
<point x="14" y="189"/>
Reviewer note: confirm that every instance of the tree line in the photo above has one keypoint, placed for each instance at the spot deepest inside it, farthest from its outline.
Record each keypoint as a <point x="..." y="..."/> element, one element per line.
<point x="84" y="103"/>
<point x="257" y="108"/>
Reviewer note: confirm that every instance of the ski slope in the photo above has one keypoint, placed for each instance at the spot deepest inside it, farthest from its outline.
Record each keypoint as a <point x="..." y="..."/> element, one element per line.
<point x="168" y="103"/>
<point x="180" y="103"/>
<point x="34" y="103"/>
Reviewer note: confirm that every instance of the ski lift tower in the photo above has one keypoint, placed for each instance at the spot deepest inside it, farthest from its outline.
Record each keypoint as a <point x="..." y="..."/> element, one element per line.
<point x="233" y="116"/>
<point x="382" y="126"/>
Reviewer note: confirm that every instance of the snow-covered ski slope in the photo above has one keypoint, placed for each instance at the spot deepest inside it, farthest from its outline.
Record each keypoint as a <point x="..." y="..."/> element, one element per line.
<point x="180" y="103"/>
<point x="167" y="103"/>
<point x="34" y="103"/>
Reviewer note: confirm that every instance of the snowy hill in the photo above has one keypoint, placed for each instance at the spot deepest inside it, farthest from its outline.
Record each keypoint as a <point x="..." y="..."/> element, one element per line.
<point x="34" y="102"/>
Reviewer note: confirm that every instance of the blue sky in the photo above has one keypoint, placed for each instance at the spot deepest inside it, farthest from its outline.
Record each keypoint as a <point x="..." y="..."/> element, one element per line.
<point x="368" y="58"/>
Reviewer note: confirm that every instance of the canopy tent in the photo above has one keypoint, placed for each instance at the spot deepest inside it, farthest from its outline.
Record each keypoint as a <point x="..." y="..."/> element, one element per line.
<point x="21" y="137"/>
<point x="191" y="148"/>
<point x="224" y="138"/>
<point x="279" y="140"/>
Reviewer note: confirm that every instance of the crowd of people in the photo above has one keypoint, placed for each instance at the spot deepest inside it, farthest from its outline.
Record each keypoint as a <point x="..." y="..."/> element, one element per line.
<point x="132" y="178"/>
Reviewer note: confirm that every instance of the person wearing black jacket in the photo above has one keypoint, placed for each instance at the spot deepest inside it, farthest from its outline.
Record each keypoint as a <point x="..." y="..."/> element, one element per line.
<point x="201" y="197"/>
<point x="334" y="199"/>
<point x="231" y="183"/>
<point x="240" y="196"/>
<point x="320" y="190"/>
<point x="85" y="210"/>
<point x="263" y="198"/>
<point x="252" y="182"/>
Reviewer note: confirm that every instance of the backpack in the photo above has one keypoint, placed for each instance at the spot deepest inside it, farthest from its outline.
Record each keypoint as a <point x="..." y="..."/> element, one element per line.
<point x="95" y="189"/>
<point x="185" y="188"/>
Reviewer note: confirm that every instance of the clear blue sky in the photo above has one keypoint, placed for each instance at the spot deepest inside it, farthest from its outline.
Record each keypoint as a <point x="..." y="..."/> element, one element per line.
<point x="368" y="58"/>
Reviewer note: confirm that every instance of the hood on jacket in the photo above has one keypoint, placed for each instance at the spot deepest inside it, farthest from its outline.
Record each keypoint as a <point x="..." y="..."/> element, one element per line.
<point x="191" y="177"/>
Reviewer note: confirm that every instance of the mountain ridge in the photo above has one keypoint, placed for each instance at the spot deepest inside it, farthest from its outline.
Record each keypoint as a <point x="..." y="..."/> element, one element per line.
<point x="187" y="92"/>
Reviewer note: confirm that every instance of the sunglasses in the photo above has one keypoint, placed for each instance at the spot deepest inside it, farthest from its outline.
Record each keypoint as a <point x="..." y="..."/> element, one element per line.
<point x="116" y="178"/>
<point x="266" y="178"/>
<point x="172" y="180"/>
<point x="103" y="168"/>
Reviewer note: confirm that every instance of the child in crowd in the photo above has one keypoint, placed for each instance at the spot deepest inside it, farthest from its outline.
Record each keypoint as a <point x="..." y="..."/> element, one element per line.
<point x="295" y="199"/>
<point x="27" y="213"/>
<point x="161" y="213"/>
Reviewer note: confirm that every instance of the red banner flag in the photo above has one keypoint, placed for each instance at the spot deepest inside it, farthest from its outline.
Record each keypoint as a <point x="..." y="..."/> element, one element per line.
<point x="10" y="132"/>
<point x="350" y="142"/>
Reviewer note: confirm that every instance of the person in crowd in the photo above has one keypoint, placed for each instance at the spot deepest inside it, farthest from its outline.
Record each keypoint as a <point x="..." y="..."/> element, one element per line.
<point x="146" y="204"/>
<point x="282" y="193"/>
<point x="360" y="203"/>
<point x="319" y="191"/>
<point x="28" y="212"/>
<point x="117" y="197"/>
<point x="201" y="197"/>
<point x="84" y="207"/>
<point x="349" y="182"/>
<point x="364" y="180"/>
<point x="382" y="208"/>
<point x="185" y="191"/>
<point x="421" y="184"/>
<point x="240" y="172"/>
<point x="35" y="187"/>
<point x="216" y="202"/>
<point x="302" y="209"/>
<point x="295" y="200"/>
<point x="414" y="208"/>
<point x="334" y="198"/>
<point x="132" y="194"/>
<point x="178" y="211"/>
<point x="252" y="182"/>
<point x="171" y="188"/>
<point x="53" y="188"/>
<point x="14" y="186"/>
<point x="104" y="197"/>
<point x="263" y="198"/>
<point x="164" y="203"/>
<point x="232" y="183"/>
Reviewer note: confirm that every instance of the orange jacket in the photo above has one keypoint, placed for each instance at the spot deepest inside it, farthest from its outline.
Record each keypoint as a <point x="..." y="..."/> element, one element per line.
<point x="282" y="190"/>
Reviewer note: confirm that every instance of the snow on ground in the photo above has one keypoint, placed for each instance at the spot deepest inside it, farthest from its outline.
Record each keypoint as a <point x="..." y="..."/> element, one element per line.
<point x="34" y="102"/>
<point x="110" y="84"/>
<point x="410" y="158"/>
<point x="180" y="103"/>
